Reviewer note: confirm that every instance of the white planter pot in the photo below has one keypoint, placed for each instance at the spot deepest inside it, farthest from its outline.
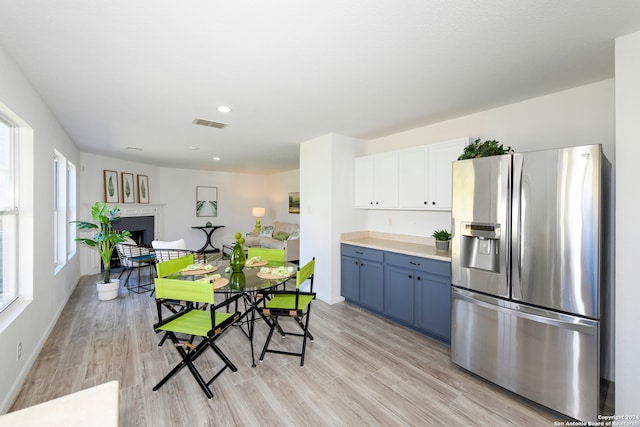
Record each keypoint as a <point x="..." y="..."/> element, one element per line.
<point x="108" y="291"/>
<point x="442" y="245"/>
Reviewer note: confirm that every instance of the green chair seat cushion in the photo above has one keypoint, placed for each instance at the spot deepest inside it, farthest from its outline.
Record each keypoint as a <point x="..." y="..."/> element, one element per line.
<point x="288" y="302"/>
<point x="195" y="322"/>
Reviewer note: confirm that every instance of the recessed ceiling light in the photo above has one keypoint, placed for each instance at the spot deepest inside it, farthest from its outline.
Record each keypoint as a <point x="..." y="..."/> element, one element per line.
<point x="134" y="148"/>
<point x="194" y="148"/>
<point x="216" y="158"/>
<point x="224" y="109"/>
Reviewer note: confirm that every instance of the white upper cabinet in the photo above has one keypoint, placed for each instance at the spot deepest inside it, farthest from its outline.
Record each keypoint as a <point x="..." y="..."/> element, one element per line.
<point x="416" y="178"/>
<point x="441" y="157"/>
<point x="364" y="175"/>
<point x="376" y="181"/>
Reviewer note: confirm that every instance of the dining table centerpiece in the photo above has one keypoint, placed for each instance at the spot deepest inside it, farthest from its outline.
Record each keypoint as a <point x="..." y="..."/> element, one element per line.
<point x="237" y="281"/>
<point x="238" y="258"/>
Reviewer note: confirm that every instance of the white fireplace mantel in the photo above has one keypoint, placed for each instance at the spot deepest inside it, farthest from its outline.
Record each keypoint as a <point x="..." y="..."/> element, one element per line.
<point x="134" y="209"/>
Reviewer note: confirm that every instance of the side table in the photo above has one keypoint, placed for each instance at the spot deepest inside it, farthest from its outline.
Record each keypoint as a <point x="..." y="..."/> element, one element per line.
<point x="208" y="231"/>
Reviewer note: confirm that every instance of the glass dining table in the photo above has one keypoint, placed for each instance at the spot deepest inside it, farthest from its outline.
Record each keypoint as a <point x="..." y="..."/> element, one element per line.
<point x="252" y="283"/>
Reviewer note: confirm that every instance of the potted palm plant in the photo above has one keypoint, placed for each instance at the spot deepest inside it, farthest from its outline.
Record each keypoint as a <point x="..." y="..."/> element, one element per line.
<point x="104" y="241"/>
<point x="443" y="237"/>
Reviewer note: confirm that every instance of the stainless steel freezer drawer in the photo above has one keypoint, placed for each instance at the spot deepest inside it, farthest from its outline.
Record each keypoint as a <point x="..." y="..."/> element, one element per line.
<point x="551" y="360"/>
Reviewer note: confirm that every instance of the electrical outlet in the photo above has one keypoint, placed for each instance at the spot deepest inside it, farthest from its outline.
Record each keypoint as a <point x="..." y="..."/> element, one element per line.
<point x="19" y="351"/>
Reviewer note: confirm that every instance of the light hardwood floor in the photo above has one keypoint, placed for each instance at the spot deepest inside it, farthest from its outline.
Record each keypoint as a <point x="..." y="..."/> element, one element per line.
<point x="360" y="370"/>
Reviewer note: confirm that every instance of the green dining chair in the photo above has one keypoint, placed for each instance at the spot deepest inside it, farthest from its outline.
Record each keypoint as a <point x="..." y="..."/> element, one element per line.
<point x="275" y="256"/>
<point x="167" y="268"/>
<point x="272" y="255"/>
<point x="173" y="265"/>
<point x="208" y="324"/>
<point x="293" y="304"/>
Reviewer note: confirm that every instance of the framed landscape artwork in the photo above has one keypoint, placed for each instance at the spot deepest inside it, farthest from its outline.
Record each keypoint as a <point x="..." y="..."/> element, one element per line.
<point x="143" y="189"/>
<point x="110" y="186"/>
<point x="294" y="203"/>
<point x="128" y="195"/>
<point x="206" y="201"/>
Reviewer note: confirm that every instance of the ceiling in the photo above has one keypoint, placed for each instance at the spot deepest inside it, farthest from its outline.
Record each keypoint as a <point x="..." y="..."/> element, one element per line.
<point x="122" y="73"/>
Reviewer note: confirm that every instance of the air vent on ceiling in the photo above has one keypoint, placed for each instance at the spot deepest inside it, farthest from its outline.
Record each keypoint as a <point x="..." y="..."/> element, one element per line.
<point x="209" y="123"/>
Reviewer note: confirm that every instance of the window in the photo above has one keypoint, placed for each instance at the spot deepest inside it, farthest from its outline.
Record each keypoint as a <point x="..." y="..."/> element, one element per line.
<point x="71" y="209"/>
<point x="8" y="216"/>
<point x="64" y="209"/>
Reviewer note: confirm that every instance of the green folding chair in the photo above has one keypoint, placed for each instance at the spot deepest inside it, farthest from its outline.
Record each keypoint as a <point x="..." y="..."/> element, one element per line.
<point x="168" y="267"/>
<point x="272" y="255"/>
<point x="293" y="304"/>
<point x="208" y="324"/>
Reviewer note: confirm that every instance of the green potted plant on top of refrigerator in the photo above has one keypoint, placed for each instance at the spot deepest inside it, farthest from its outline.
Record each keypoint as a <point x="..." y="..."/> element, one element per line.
<point x="484" y="149"/>
<point x="104" y="241"/>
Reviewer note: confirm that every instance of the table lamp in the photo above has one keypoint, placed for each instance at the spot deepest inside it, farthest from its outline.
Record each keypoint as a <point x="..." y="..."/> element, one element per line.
<point x="258" y="213"/>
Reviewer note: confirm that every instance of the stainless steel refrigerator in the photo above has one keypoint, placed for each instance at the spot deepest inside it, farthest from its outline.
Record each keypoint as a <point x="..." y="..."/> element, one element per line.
<point x="531" y="274"/>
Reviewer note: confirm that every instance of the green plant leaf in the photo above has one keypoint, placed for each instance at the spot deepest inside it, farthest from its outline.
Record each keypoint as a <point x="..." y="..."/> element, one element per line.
<point x="484" y="149"/>
<point x="441" y="235"/>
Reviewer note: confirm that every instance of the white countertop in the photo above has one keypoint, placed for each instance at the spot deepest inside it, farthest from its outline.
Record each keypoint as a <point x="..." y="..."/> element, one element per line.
<point x="96" y="406"/>
<point x="408" y="245"/>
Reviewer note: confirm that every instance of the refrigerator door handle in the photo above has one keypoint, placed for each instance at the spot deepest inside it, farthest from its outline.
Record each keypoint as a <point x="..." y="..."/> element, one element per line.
<point x="559" y="320"/>
<point x="516" y="234"/>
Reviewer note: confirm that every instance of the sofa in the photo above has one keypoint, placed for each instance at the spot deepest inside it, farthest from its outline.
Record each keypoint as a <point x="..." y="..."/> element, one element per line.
<point x="280" y="235"/>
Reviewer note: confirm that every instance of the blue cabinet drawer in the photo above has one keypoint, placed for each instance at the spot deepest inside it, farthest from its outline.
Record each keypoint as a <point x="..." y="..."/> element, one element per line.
<point x="362" y="253"/>
<point x="433" y="266"/>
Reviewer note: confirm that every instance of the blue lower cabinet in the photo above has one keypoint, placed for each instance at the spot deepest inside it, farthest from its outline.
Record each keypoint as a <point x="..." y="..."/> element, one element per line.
<point x="350" y="278"/>
<point x="362" y="277"/>
<point x="399" y="294"/>
<point x="417" y="293"/>
<point x="411" y="290"/>
<point x="433" y="306"/>
<point x="371" y="285"/>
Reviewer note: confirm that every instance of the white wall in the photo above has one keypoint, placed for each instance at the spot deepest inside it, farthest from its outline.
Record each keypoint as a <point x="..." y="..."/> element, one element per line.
<point x="44" y="294"/>
<point x="237" y="195"/>
<point x="90" y="176"/>
<point x="326" y="204"/>
<point x="280" y="185"/>
<point x="579" y="116"/>
<point x="627" y="232"/>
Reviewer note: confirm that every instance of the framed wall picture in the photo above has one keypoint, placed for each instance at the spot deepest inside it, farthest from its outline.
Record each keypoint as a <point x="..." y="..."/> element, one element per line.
<point x="206" y="201"/>
<point x="143" y="189"/>
<point x="128" y="190"/>
<point x="110" y="186"/>
<point x="294" y="203"/>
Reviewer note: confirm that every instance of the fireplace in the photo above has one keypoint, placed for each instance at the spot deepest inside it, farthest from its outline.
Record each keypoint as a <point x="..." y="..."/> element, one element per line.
<point x="140" y="227"/>
<point x="143" y="221"/>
